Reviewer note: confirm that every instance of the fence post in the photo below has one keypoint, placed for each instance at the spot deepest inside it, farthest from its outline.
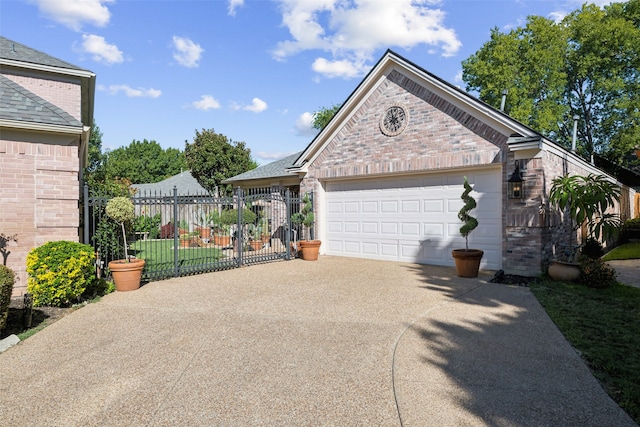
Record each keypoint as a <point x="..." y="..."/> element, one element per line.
<point x="239" y="237"/>
<point x="85" y="196"/>
<point x="287" y="239"/>
<point x="176" y="237"/>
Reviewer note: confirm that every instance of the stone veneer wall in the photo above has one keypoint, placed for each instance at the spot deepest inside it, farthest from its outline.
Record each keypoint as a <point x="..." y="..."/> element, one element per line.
<point x="39" y="196"/>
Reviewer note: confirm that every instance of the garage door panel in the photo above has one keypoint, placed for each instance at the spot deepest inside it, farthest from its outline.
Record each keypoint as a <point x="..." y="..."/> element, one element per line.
<point x="433" y="206"/>
<point x="433" y="229"/>
<point x="389" y="228"/>
<point x="369" y="206"/>
<point x="351" y="227"/>
<point x="410" y="229"/>
<point x="334" y="226"/>
<point x="370" y="227"/>
<point x="413" y="219"/>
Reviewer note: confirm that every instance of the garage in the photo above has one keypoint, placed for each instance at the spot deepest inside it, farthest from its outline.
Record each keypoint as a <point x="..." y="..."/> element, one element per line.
<point x="413" y="218"/>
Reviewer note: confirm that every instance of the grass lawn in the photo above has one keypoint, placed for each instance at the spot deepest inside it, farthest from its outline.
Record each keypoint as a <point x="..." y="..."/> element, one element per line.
<point x="159" y="253"/>
<point x="626" y="251"/>
<point x="604" y="326"/>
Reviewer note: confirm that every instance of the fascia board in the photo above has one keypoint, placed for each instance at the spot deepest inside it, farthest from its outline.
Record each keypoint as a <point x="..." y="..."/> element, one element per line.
<point x="47" y="68"/>
<point x="41" y="127"/>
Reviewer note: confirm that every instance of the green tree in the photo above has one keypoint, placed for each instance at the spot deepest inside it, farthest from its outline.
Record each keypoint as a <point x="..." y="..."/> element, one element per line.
<point x="143" y="162"/>
<point x="94" y="170"/>
<point x="586" y="65"/>
<point x="323" y="115"/>
<point x="212" y="158"/>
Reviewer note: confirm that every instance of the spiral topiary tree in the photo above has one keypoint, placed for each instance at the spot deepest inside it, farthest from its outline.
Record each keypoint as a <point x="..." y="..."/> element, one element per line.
<point x="469" y="222"/>
<point x="121" y="210"/>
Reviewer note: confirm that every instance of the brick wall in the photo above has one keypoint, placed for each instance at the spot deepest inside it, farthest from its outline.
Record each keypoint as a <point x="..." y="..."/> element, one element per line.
<point x="438" y="136"/>
<point x="61" y="91"/>
<point x="38" y="197"/>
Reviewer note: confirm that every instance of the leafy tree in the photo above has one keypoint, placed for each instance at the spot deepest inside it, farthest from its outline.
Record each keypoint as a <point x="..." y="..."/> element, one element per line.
<point x="212" y="158"/>
<point x="323" y="115"/>
<point x="143" y="162"/>
<point x="587" y="65"/>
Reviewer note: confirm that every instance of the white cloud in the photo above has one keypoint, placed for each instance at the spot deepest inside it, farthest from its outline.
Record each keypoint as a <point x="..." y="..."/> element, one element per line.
<point x="131" y="92"/>
<point x="557" y="16"/>
<point x="100" y="50"/>
<point x="352" y="31"/>
<point x="74" y="13"/>
<point x="257" y="106"/>
<point x="339" y="68"/>
<point x="265" y="155"/>
<point x="233" y="5"/>
<point x="187" y="53"/>
<point x="206" y="102"/>
<point x="304" y="125"/>
<point x="457" y="79"/>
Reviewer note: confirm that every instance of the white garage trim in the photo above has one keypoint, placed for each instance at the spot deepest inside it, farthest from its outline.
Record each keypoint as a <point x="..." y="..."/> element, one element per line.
<point x="412" y="218"/>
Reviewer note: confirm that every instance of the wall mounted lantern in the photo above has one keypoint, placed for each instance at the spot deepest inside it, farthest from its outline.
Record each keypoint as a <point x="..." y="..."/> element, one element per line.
<point x="516" y="184"/>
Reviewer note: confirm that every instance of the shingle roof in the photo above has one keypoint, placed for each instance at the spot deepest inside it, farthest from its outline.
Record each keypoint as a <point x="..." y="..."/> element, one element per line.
<point x="12" y="50"/>
<point x="20" y="104"/>
<point x="271" y="170"/>
<point x="184" y="182"/>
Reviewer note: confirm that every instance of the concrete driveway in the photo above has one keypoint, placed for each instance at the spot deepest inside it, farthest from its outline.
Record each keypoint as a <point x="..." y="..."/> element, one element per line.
<point x="338" y="342"/>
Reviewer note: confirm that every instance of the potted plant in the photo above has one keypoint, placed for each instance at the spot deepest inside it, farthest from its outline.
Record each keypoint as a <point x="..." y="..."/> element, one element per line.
<point x="126" y="272"/>
<point x="229" y="217"/>
<point x="467" y="260"/>
<point x="584" y="200"/>
<point x="205" y="221"/>
<point x="254" y="234"/>
<point x="308" y="248"/>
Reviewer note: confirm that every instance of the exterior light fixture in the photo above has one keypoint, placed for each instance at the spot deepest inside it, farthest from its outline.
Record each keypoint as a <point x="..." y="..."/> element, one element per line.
<point x="516" y="184"/>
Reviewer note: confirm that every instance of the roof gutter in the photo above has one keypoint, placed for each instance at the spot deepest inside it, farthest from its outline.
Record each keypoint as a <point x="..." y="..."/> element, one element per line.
<point x="41" y="127"/>
<point x="47" y="68"/>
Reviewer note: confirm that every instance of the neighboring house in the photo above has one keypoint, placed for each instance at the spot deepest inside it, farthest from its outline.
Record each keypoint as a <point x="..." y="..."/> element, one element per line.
<point x="184" y="182"/>
<point x="192" y="199"/>
<point x="46" y="113"/>
<point x="387" y="172"/>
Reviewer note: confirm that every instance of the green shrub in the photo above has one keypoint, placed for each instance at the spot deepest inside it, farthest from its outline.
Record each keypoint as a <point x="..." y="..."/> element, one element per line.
<point x="633" y="223"/>
<point x="230" y="216"/>
<point x="594" y="273"/>
<point x="7" y="279"/>
<point x="592" y="249"/>
<point x="148" y="224"/>
<point x="59" y="272"/>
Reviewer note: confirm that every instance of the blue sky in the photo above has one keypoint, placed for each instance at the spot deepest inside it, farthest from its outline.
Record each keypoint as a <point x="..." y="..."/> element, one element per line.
<point x="254" y="71"/>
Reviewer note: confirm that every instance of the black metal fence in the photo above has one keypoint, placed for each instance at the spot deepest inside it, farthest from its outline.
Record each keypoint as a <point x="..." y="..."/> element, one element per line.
<point x="180" y="235"/>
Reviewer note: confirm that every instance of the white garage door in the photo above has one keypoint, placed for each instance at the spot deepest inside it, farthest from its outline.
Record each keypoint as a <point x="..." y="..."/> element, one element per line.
<point x="414" y="218"/>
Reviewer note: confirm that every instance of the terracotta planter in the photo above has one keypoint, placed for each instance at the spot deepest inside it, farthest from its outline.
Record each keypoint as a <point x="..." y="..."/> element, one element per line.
<point x="205" y="232"/>
<point x="256" y="245"/>
<point x="126" y="275"/>
<point x="467" y="261"/>
<point x="309" y="249"/>
<point x="221" y="240"/>
<point x="564" y="271"/>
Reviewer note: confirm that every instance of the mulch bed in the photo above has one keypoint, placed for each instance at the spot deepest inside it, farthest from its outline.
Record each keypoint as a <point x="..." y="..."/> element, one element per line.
<point x="512" y="279"/>
<point x="40" y="316"/>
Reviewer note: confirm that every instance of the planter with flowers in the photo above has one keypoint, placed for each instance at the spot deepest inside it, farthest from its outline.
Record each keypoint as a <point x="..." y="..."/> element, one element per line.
<point x="126" y="272"/>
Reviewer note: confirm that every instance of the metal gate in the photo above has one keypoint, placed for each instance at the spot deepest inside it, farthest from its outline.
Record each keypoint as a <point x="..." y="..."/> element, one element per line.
<point x="179" y="235"/>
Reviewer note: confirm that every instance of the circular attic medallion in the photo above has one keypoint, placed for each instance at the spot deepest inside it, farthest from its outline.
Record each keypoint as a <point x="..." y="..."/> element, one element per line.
<point x="394" y="120"/>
